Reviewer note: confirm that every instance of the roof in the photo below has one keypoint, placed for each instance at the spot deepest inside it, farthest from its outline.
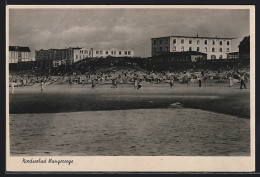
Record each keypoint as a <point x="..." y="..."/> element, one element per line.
<point x="233" y="53"/>
<point x="75" y="47"/>
<point x="180" y="53"/>
<point x="194" y="37"/>
<point x="244" y="41"/>
<point x="18" y="48"/>
<point x="57" y="49"/>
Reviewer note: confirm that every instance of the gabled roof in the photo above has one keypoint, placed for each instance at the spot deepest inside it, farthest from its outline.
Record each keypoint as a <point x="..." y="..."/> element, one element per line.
<point x="245" y="40"/>
<point x="20" y="49"/>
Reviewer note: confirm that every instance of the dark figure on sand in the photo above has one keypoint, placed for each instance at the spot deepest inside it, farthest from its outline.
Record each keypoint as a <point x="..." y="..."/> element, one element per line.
<point x="42" y="86"/>
<point x="199" y="79"/>
<point x="93" y="84"/>
<point x="242" y="82"/>
<point x="114" y="84"/>
<point x="171" y="83"/>
<point x="139" y="85"/>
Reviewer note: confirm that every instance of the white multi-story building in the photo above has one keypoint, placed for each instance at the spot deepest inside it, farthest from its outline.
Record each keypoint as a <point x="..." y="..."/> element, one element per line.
<point x="77" y="54"/>
<point x="214" y="47"/>
<point x="19" y="54"/>
<point x="103" y="53"/>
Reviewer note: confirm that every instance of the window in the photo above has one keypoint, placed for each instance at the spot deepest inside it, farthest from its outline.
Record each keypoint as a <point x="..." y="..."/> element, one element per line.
<point x="174" y="41"/>
<point x="220" y="50"/>
<point x="160" y="49"/>
<point x="125" y="52"/>
<point x="129" y="52"/>
<point x="220" y="42"/>
<point x="107" y="52"/>
<point x="101" y="52"/>
<point x="206" y="49"/>
<point x="19" y="54"/>
<point x="198" y="41"/>
<point x="160" y="41"/>
<point x="227" y="42"/>
<point x="182" y="41"/>
<point x="213" y="49"/>
<point x="182" y="48"/>
<point x="220" y="56"/>
<point x="190" y="48"/>
<point x="167" y="41"/>
<point x="190" y="41"/>
<point x="174" y="48"/>
<point x="198" y="49"/>
<point x="97" y="52"/>
<point x="76" y="56"/>
<point x="119" y="52"/>
<point x="227" y="49"/>
<point x="154" y="41"/>
<point x="213" y="57"/>
<point x="213" y="42"/>
<point x="154" y="49"/>
<point x="112" y="52"/>
<point x="86" y="52"/>
<point x="205" y="42"/>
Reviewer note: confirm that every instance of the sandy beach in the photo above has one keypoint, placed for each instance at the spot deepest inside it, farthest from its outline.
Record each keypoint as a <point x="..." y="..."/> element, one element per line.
<point x="65" y="98"/>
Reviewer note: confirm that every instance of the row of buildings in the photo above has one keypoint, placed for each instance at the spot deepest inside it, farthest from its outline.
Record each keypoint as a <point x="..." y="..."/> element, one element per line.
<point x="163" y="49"/>
<point x="73" y="54"/>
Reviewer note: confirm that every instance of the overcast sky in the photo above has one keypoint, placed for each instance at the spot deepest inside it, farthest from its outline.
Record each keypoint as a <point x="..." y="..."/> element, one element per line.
<point x="120" y="28"/>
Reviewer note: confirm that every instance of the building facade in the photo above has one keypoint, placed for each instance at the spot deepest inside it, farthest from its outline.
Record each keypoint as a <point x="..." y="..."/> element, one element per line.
<point x="214" y="47"/>
<point x="74" y="54"/>
<point x="103" y="53"/>
<point x="19" y="54"/>
<point x="174" y="59"/>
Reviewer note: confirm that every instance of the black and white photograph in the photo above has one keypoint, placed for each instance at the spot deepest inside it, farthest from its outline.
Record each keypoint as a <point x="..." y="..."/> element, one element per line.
<point x="107" y="83"/>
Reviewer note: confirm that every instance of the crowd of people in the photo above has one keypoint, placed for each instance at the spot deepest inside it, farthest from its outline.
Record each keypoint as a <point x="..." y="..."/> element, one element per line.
<point x="134" y="77"/>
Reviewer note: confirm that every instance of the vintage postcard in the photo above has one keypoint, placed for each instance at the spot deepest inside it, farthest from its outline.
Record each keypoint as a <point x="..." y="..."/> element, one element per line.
<point x="130" y="88"/>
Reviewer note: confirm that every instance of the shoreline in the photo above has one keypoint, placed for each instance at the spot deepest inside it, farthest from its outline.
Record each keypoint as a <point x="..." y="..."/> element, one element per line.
<point x="230" y="101"/>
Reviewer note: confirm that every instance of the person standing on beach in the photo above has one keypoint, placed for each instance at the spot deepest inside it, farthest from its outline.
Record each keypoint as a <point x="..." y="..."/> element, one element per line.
<point x="42" y="86"/>
<point x="12" y="87"/>
<point x="171" y="83"/>
<point x="70" y="81"/>
<point x="230" y="81"/>
<point x="92" y="83"/>
<point x="135" y="82"/>
<point x="139" y="85"/>
<point x="242" y="82"/>
<point x="199" y="79"/>
<point x="22" y="82"/>
<point x="114" y="83"/>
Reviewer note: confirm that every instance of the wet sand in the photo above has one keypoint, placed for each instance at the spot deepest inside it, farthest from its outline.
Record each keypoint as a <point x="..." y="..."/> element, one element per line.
<point x="179" y="121"/>
<point x="138" y="132"/>
<point x="63" y="98"/>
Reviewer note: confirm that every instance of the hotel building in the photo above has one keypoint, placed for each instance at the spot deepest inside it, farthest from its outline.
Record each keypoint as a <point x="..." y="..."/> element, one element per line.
<point x="214" y="47"/>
